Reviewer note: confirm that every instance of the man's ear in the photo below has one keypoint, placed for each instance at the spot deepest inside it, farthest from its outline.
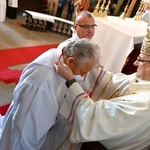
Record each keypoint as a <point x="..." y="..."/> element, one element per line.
<point x="70" y="61"/>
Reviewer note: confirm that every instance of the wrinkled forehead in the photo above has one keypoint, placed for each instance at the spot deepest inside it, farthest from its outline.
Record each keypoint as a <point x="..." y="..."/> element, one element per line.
<point x="147" y="57"/>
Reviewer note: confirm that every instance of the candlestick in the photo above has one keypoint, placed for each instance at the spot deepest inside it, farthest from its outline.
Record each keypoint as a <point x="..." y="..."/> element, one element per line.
<point x="136" y="17"/>
<point x="128" y="2"/>
<point x="106" y="9"/>
<point x="96" y="10"/>
<point x="123" y="15"/>
<point x="102" y="8"/>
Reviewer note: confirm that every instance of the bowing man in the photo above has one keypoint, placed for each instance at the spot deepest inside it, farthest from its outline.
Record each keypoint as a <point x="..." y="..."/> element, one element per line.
<point x="40" y="94"/>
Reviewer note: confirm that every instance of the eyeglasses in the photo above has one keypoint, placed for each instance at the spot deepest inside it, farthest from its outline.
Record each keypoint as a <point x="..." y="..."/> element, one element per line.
<point x="87" y="27"/>
<point x="141" y="60"/>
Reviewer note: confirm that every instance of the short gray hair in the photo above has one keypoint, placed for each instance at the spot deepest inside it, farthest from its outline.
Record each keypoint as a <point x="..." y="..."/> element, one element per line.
<point x="83" y="13"/>
<point x="83" y="49"/>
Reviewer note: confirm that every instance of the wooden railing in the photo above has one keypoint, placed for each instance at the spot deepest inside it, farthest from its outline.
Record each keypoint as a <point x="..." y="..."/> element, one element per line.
<point x="42" y="22"/>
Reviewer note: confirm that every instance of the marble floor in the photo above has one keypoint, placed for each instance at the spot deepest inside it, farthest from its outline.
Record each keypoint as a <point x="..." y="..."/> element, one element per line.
<point x="14" y="35"/>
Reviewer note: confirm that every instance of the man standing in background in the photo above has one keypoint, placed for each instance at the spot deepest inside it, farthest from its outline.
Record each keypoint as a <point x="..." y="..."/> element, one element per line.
<point x="84" y="27"/>
<point x="146" y="15"/>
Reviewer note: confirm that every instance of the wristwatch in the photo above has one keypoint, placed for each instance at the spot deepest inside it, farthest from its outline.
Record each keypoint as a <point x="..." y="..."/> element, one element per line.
<point x="70" y="82"/>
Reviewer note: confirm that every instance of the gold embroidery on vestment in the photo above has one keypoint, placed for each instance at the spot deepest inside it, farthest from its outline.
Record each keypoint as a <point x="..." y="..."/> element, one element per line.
<point x="102" y="92"/>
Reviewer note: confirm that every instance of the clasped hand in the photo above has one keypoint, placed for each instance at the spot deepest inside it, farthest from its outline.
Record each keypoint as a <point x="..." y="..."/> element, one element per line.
<point x="63" y="70"/>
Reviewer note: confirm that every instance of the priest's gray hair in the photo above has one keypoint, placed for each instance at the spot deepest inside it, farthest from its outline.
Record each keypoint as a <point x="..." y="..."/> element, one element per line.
<point x="83" y="49"/>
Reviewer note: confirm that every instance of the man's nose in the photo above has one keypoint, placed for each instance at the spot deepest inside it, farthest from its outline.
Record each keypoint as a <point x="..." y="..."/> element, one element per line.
<point x="136" y="63"/>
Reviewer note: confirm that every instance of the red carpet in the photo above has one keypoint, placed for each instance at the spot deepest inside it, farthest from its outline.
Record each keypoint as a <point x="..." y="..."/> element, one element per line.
<point x="17" y="56"/>
<point x="10" y="76"/>
<point x="3" y="109"/>
<point x="22" y="55"/>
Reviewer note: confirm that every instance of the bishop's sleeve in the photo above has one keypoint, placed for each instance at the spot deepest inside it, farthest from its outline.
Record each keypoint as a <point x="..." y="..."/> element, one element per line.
<point x="108" y="121"/>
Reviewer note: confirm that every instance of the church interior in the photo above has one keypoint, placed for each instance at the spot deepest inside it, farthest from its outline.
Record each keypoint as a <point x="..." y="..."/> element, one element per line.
<point x="19" y="29"/>
<point x="119" y="18"/>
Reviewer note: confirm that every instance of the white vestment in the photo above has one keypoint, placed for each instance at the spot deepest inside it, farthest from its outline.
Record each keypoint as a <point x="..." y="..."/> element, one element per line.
<point x="119" y="118"/>
<point x="37" y="99"/>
